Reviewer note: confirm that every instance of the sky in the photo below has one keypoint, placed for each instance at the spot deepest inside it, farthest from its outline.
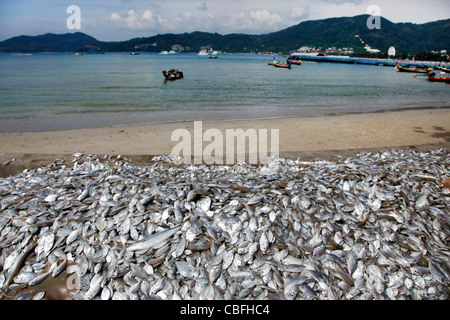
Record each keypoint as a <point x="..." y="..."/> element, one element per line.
<point x="117" y="20"/>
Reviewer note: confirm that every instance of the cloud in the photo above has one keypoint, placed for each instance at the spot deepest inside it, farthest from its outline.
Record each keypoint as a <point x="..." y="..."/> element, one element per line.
<point x="299" y="13"/>
<point x="115" y="17"/>
<point x="255" y="21"/>
<point x="147" y="15"/>
<point x="134" y="21"/>
<point x="203" y="7"/>
<point x="264" y="16"/>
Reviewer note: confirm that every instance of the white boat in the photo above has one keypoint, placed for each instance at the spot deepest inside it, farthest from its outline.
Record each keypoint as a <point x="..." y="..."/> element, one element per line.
<point x="164" y="52"/>
<point x="172" y="52"/>
<point x="214" y="55"/>
<point x="203" y="52"/>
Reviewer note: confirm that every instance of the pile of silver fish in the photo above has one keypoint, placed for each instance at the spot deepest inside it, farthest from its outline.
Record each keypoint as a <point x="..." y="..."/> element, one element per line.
<point x="373" y="226"/>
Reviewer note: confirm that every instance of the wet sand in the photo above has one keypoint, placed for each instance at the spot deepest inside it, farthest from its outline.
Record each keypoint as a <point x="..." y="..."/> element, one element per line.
<point x="306" y="138"/>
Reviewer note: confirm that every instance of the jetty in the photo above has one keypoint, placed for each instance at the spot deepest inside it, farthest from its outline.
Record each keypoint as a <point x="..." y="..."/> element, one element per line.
<point x="367" y="61"/>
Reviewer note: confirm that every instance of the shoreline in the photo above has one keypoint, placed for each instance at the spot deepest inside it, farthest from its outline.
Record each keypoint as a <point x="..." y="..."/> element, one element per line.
<point x="88" y="124"/>
<point x="299" y="137"/>
<point x="232" y="118"/>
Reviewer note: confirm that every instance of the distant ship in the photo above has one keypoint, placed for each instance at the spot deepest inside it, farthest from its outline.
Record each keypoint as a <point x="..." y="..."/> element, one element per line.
<point x="208" y="51"/>
<point x="167" y="52"/>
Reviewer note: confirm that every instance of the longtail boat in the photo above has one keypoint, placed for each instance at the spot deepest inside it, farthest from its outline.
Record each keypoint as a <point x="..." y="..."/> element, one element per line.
<point x="414" y="69"/>
<point x="281" y="65"/>
<point x="295" y="60"/>
<point x="442" y="77"/>
<point x="286" y="63"/>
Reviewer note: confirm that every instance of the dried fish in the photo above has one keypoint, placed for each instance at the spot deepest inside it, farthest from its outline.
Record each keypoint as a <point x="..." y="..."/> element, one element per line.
<point x="45" y="243"/>
<point x="186" y="269"/>
<point x="39" y="295"/>
<point x="15" y="268"/>
<point x="38" y="279"/>
<point x="153" y="240"/>
<point x="373" y="226"/>
<point x="94" y="285"/>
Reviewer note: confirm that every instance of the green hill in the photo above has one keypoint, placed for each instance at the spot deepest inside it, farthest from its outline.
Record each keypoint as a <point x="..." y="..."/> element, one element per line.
<point x="50" y="42"/>
<point x="332" y="32"/>
<point x="340" y="32"/>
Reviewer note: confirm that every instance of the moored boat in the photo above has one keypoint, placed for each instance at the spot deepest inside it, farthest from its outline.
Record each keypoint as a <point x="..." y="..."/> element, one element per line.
<point x="444" y="69"/>
<point x="208" y="51"/>
<point x="441" y="77"/>
<point x="414" y="69"/>
<point x="279" y="64"/>
<point x="214" y="55"/>
<point x="295" y="60"/>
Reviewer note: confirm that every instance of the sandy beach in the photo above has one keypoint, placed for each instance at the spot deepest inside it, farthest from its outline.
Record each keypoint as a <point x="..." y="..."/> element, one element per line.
<point x="352" y="212"/>
<point x="307" y="138"/>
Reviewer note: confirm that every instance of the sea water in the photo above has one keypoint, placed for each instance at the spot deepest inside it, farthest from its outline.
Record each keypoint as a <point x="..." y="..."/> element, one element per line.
<point x="51" y="91"/>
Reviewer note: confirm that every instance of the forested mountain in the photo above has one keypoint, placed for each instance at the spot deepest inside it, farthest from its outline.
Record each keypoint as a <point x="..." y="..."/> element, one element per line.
<point x="332" y="32"/>
<point x="50" y="42"/>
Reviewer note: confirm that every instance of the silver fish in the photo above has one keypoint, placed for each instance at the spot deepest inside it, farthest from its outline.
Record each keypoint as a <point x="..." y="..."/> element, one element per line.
<point x="421" y="201"/>
<point x="186" y="269"/>
<point x="263" y="243"/>
<point x="39" y="295"/>
<point x="45" y="243"/>
<point x="38" y="279"/>
<point x="153" y="240"/>
<point x="60" y="268"/>
<point x="139" y="272"/>
<point x="371" y="226"/>
<point x="15" y="268"/>
<point x="94" y="286"/>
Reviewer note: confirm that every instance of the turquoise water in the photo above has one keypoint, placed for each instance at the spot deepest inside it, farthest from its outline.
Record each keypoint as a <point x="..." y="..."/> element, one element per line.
<point x="64" y="91"/>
